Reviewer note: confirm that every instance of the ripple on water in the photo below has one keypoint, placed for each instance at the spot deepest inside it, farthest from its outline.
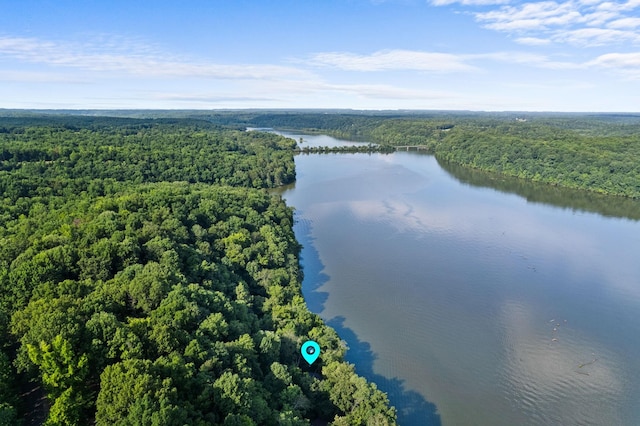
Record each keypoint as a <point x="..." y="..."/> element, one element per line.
<point x="561" y="382"/>
<point x="451" y="289"/>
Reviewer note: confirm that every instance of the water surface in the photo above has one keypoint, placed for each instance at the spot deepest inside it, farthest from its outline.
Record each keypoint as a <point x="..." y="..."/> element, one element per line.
<point x="472" y="302"/>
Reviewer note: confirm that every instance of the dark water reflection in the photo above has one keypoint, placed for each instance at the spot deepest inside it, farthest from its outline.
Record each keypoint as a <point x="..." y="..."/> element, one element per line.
<point x="471" y="301"/>
<point x="547" y="194"/>
<point x="414" y="409"/>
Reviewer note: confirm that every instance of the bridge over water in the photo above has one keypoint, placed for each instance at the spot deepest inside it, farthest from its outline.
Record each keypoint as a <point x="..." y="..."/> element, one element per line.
<point x="411" y="147"/>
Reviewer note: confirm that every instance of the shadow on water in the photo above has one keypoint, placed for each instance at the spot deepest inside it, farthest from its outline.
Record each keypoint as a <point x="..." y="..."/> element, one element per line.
<point x="536" y="192"/>
<point x="312" y="266"/>
<point x="412" y="408"/>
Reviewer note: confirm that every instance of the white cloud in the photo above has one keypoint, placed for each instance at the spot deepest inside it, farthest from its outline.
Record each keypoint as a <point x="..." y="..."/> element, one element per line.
<point x="597" y="36"/>
<point x="39" y="77"/>
<point x="577" y="22"/>
<point x="137" y="60"/>
<point x="558" y="85"/>
<point x="598" y="18"/>
<point x="363" y="90"/>
<point x="530" y="16"/>
<point x="440" y="62"/>
<point x="625" y="23"/>
<point x="206" y="98"/>
<point x="389" y="60"/>
<point x="618" y="60"/>
<point x="525" y="58"/>
<point x="533" y="41"/>
<point x="382" y="91"/>
<point x="625" y="64"/>
<point x="618" y="6"/>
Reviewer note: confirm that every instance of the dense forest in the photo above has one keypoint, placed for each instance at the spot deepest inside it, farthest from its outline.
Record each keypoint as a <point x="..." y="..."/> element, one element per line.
<point x="599" y="153"/>
<point x="147" y="277"/>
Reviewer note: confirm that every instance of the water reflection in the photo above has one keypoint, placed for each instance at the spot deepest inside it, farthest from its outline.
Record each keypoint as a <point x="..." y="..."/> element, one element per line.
<point x="547" y="194"/>
<point x="445" y="291"/>
<point x="413" y="408"/>
<point x="314" y="277"/>
<point x="534" y="192"/>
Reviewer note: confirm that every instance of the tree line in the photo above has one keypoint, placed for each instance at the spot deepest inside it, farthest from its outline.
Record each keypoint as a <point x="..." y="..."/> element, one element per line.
<point x="344" y="149"/>
<point x="594" y="152"/>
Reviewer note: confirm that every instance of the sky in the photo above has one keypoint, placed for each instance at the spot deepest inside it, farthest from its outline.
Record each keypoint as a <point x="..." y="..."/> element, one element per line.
<point x="483" y="55"/>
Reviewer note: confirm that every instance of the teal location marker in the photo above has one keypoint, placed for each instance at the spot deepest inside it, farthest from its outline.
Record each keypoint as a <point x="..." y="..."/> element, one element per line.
<point x="310" y="351"/>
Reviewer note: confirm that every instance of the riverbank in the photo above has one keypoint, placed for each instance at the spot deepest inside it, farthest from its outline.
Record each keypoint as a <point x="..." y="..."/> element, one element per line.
<point x="534" y="151"/>
<point x="593" y="152"/>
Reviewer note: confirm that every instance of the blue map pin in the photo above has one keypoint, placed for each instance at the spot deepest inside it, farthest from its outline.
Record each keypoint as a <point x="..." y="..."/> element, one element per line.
<point x="310" y="351"/>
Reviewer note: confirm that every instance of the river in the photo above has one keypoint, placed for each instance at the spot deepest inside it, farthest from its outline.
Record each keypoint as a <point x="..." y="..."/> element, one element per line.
<point x="469" y="298"/>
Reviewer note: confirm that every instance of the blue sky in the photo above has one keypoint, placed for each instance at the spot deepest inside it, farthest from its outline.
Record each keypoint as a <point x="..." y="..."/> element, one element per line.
<point x="574" y="55"/>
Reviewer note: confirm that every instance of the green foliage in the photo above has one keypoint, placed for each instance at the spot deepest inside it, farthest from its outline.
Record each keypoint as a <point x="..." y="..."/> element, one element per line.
<point x="44" y="159"/>
<point x="133" y="392"/>
<point x="146" y="277"/>
<point x="599" y="153"/>
<point x="63" y="372"/>
<point x="360" y="401"/>
<point x="8" y="415"/>
<point x="8" y="412"/>
<point x="60" y="367"/>
<point x="67" y="409"/>
<point x="545" y="153"/>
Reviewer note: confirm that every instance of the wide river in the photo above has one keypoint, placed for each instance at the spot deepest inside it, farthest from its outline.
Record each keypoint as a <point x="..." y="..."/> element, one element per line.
<point x="469" y="298"/>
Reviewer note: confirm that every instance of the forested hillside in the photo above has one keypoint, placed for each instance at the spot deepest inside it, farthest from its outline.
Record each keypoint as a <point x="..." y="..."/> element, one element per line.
<point x="147" y="278"/>
<point x="599" y="153"/>
<point x="44" y="158"/>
